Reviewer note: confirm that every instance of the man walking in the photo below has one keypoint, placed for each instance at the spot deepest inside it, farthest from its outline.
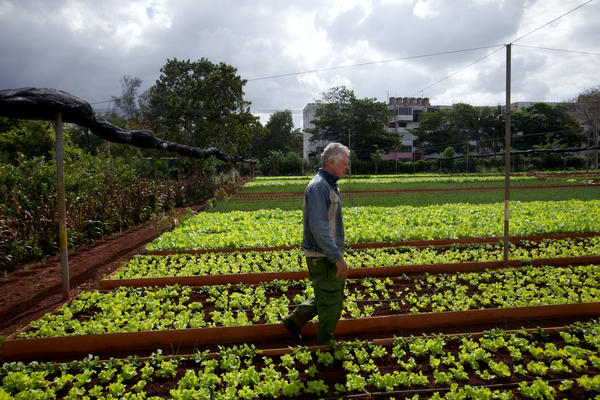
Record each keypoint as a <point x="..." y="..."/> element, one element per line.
<point x="323" y="245"/>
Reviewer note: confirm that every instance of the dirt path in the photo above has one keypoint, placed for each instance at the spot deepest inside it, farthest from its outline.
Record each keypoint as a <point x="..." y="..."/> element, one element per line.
<point x="29" y="292"/>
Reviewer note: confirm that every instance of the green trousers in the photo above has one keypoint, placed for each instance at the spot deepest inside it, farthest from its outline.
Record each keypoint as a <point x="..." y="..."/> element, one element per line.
<point x="327" y="302"/>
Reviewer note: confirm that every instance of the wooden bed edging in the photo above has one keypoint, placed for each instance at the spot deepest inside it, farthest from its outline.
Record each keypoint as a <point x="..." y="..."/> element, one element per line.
<point x="81" y="345"/>
<point x="261" y="277"/>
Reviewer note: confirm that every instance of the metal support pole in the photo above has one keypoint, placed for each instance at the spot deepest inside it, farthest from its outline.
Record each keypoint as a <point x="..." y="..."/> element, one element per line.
<point x="214" y="182"/>
<point x="349" y="165"/>
<point x="587" y="159"/>
<point x="596" y="135"/>
<point x="507" y="160"/>
<point x="62" y="212"/>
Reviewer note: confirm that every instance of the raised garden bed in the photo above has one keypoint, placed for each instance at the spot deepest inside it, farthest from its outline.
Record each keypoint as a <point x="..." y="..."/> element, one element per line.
<point x="401" y="243"/>
<point x="371" y="304"/>
<point x="278" y="228"/>
<point x="497" y="364"/>
<point x="261" y="266"/>
<point x="175" y="339"/>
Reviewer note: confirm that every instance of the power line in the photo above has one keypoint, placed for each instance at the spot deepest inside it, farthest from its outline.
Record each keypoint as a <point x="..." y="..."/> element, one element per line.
<point x="484" y="57"/>
<point x="460" y="70"/>
<point x="563" y="50"/>
<point x="369" y="63"/>
<point x="554" y="20"/>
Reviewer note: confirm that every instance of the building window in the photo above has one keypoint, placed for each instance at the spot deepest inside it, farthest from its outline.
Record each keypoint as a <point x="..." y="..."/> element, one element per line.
<point x="404" y="111"/>
<point x="417" y="115"/>
<point x="406" y="149"/>
<point x="391" y="125"/>
<point x="401" y="124"/>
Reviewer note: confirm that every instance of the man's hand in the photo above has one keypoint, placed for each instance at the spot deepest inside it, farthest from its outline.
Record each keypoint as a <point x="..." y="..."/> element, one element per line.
<point x="342" y="269"/>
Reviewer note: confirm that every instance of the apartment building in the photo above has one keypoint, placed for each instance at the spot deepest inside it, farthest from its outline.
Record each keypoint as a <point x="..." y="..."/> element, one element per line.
<point x="406" y="112"/>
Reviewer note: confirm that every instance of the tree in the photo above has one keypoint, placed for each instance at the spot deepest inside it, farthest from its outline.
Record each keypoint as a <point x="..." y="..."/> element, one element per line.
<point x="201" y="104"/>
<point x="542" y="125"/>
<point x="587" y="107"/>
<point x="279" y="135"/>
<point x="127" y="102"/>
<point x="454" y="126"/>
<point x="492" y="129"/>
<point x="84" y="139"/>
<point x="340" y="117"/>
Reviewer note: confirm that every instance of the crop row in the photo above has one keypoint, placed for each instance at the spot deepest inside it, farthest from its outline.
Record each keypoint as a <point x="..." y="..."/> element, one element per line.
<point x="298" y="184"/>
<point x="540" y="365"/>
<point x="266" y="228"/>
<point x="150" y="266"/>
<point x="174" y="307"/>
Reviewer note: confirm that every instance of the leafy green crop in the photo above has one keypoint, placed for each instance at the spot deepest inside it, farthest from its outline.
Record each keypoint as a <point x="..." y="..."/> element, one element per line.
<point x="352" y="368"/>
<point x="174" y="307"/>
<point x="387" y="182"/>
<point x="149" y="266"/>
<point x="267" y="228"/>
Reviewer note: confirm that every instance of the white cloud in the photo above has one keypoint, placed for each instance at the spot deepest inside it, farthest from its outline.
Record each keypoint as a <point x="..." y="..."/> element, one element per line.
<point x="426" y="9"/>
<point x="87" y="47"/>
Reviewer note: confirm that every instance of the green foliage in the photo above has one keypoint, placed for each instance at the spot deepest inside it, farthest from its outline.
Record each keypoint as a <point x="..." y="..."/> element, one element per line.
<point x="170" y="307"/>
<point x="278" y="163"/>
<point x="237" y="229"/>
<point x="103" y="195"/>
<point x="201" y="104"/>
<point x="243" y="372"/>
<point x="460" y="123"/>
<point x="532" y="126"/>
<point x="279" y="135"/>
<point x="544" y="125"/>
<point x="392" y="182"/>
<point x="25" y="137"/>
<point x="341" y="117"/>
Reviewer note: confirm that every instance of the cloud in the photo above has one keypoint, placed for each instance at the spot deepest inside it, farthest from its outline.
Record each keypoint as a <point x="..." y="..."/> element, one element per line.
<point x="86" y="48"/>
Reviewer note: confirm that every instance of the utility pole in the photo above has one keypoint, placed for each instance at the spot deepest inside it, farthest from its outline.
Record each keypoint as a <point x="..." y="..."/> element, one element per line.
<point x="507" y="159"/>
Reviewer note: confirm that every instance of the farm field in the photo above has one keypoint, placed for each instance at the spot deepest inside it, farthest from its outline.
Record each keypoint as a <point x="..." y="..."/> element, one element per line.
<point x="404" y="182"/>
<point x="561" y="360"/>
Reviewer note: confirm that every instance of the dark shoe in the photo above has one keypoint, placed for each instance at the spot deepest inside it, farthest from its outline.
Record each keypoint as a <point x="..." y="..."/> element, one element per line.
<point x="292" y="328"/>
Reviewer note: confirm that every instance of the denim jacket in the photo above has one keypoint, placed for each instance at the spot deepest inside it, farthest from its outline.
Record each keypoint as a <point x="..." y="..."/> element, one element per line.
<point x="323" y="232"/>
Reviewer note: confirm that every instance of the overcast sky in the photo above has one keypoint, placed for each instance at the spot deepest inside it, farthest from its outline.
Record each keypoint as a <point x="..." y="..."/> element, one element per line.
<point x="86" y="47"/>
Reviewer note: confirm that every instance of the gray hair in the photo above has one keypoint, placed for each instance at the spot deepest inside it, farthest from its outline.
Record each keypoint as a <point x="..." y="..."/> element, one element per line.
<point x="335" y="151"/>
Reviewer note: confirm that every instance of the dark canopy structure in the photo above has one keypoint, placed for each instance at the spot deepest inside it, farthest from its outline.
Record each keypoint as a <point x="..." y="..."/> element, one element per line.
<point x="35" y="103"/>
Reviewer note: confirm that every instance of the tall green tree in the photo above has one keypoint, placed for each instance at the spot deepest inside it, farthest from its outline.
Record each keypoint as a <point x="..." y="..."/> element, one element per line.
<point x="201" y="104"/>
<point x="342" y="117"/>
<point x="454" y="126"/>
<point x="279" y="135"/>
<point x="492" y="129"/>
<point x="544" y="125"/>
